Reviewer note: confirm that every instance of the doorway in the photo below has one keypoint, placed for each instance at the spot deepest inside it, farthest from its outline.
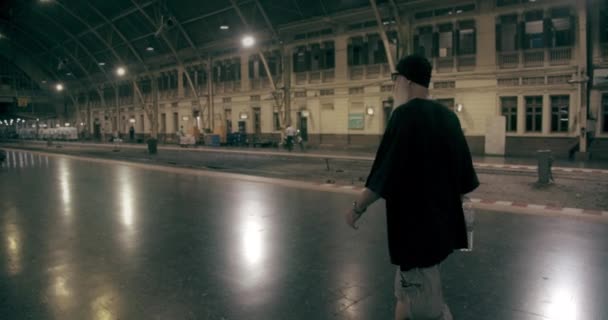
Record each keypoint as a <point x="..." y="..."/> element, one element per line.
<point x="303" y="126"/>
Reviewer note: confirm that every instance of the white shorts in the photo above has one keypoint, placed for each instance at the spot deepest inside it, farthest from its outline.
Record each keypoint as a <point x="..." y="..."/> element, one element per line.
<point x="420" y="291"/>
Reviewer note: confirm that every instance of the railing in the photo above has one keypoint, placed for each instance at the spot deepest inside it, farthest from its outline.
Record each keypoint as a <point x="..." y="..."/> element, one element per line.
<point x="534" y="58"/>
<point x="301" y="78"/>
<point x="329" y="75"/>
<point x="373" y="71"/>
<point x="370" y="71"/>
<point x="507" y="60"/>
<point x="467" y="63"/>
<point x="316" y="76"/>
<point x="560" y="56"/>
<point x="445" y="64"/>
<point x="227" y="86"/>
<point x="356" y="72"/>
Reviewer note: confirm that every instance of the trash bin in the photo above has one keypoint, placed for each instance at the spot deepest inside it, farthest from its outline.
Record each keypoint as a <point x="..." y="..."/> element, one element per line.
<point x="545" y="160"/>
<point x="152" y="145"/>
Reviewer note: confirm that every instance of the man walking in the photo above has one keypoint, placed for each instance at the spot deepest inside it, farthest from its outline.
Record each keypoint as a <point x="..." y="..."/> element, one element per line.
<point x="422" y="169"/>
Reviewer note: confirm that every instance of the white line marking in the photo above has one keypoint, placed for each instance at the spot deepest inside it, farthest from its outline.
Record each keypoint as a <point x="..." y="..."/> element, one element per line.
<point x="572" y="210"/>
<point x="504" y="203"/>
<point x="536" y="206"/>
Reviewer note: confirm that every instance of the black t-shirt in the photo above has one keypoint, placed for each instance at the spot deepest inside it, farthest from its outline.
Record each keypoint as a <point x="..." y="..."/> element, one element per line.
<point x="422" y="167"/>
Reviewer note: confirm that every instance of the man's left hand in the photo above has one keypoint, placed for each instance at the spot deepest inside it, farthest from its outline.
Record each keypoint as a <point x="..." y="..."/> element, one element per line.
<point x="352" y="217"/>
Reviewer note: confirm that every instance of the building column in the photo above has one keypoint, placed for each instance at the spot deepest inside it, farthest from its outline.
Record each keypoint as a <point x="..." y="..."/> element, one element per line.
<point x="521" y="114"/>
<point x="180" y="82"/>
<point x="341" y="56"/>
<point x="486" y="42"/>
<point x="245" y="85"/>
<point x="546" y="121"/>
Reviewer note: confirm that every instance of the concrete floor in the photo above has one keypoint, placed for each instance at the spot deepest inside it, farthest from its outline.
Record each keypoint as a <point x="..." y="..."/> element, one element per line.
<point x="89" y="240"/>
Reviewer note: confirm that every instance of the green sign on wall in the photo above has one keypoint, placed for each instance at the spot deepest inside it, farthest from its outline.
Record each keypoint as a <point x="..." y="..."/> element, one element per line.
<point x="356" y="121"/>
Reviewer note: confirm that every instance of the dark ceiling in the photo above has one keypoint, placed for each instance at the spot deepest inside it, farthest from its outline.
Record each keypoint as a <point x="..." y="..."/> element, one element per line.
<point x="74" y="39"/>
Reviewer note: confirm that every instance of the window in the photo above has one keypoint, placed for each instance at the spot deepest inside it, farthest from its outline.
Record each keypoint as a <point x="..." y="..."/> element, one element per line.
<point x="301" y="59"/>
<point x="604" y="26"/>
<point x="508" y="107"/>
<point x="560" y="113"/>
<point x="534" y="114"/>
<point x="534" y="35"/>
<point x="424" y="42"/>
<point x="276" y="120"/>
<point x="257" y="124"/>
<point x="228" y="117"/>
<point x="506" y="33"/>
<point x="446" y="40"/>
<point x="357" y="52"/>
<point x="377" y="49"/>
<point x="467" y="42"/>
<point x="227" y="70"/>
<point x="314" y="58"/>
<point x="605" y="113"/>
<point x="561" y="28"/>
<point x="449" y="103"/>
<point x="329" y="55"/>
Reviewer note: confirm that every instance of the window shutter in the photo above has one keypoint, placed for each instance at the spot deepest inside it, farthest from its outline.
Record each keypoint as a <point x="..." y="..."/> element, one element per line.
<point x="435" y="52"/>
<point x="572" y="37"/>
<point x="456" y="44"/>
<point x="417" y="45"/>
<point x="474" y="41"/>
<point x="498" y="38"/>
<point x="548" y="33"/>
<point x="521" y="36"/>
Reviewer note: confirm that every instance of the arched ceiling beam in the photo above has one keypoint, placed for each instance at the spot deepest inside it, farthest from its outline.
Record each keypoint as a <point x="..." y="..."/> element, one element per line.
<point x="119" y="16"/>
<point x="107" y="45"/>
<point x="41" y="45"/>
<point x="80" y="44"/>
<point x="275" y="35"/>
<point x="170" y="46"/>
<point x="214" y="13"/>
<point x="260" y="53"/>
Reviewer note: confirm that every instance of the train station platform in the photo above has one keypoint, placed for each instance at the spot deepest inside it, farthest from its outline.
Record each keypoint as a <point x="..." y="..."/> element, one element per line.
<point x="86" y="238"/>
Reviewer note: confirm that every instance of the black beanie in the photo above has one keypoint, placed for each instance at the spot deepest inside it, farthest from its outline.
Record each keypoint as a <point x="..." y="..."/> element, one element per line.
<point x="416" y="68"/>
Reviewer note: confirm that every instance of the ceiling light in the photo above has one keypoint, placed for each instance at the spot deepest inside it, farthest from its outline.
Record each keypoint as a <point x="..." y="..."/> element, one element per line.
<point x="43" y="81"/>
<point x="224" y="27"/>
<point x="68" y="74"/>
<point x="59" y="87"/>
<point x="248" y="41"/>
<point x="102" y="63"/>
<point x="150" y="49"/>
<point x="120" y="71"/>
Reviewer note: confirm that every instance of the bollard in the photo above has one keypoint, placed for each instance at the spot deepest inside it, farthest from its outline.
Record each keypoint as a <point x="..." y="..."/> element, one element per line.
<point x="545" y="160"/>
<point x="152" y="146"/>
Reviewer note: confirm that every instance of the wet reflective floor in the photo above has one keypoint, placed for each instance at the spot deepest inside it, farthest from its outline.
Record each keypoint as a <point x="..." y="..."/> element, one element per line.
<point x="87" y="240"/>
